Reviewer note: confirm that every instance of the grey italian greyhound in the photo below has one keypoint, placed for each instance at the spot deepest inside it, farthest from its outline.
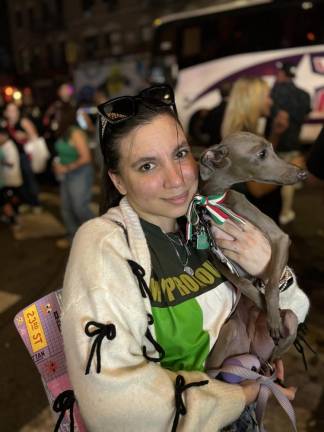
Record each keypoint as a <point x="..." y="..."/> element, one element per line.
<point x="243" y="157"/>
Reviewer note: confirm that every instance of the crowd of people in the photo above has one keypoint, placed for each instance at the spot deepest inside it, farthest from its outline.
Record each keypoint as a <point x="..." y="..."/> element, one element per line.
<point x="55" y="143"/>
<point x="156" y="303"/>
<point x="71" y="139"/>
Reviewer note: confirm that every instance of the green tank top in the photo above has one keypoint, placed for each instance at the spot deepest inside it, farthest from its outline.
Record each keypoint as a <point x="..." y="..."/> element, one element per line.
<point x="66" y="152"/>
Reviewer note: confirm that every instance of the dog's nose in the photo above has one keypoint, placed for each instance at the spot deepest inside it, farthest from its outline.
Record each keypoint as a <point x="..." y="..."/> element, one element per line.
<point x="302" y="175"/>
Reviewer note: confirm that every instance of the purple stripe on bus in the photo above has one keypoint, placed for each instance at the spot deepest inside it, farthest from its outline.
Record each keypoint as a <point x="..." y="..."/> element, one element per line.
<point x="261" y="69"/>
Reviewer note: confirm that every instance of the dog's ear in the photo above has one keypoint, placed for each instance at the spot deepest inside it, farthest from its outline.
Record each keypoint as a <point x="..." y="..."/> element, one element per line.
<point x="216" y="157"/>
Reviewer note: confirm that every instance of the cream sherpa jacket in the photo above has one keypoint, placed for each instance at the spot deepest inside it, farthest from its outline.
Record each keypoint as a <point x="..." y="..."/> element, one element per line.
<point x="131" y="393"/>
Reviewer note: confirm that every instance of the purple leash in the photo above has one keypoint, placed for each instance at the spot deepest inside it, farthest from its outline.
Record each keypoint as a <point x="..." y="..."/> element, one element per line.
<point x="267" y="386"/>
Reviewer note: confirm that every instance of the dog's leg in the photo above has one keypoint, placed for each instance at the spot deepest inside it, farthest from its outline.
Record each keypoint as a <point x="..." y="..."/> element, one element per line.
<point x="232" y="340"/>
<point x="279" y="257"/>
<point x="246" y="287"/>
<point x="290" y="326"/>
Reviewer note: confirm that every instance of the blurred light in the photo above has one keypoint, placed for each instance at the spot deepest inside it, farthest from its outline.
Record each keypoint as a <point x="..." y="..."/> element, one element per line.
<point x="310" y="36"/>
<point x="16" y="95"/>
<point x="157" y="22"/>
<point x="9" y="91"/>
<point x="307" y="5"/>
<point x="27" y="91"/>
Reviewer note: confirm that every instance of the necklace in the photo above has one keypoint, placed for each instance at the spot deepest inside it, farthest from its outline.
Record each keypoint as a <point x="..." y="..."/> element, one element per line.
<point x="182" y="244"/>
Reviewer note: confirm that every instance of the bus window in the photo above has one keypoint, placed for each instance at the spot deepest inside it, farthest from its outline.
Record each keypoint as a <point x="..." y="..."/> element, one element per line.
<point x="191" y="42"/>
<point x="250" y="29"/>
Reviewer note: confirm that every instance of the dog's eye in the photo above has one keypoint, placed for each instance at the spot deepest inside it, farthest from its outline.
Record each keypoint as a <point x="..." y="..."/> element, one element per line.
<point x="262" y="154"/>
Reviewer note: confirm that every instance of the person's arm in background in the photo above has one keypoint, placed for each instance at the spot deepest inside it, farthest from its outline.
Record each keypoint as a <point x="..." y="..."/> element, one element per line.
<point x="279" y="125"/>
<point x="79" y="140"/>
<point x="29" y="128"/>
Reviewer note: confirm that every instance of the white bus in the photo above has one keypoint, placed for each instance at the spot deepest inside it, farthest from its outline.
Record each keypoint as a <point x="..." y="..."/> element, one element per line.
<point x="198" y="50"/>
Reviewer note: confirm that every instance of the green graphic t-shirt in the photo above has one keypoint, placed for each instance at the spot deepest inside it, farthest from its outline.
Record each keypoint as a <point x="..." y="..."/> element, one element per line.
<point x="187" y="309"/>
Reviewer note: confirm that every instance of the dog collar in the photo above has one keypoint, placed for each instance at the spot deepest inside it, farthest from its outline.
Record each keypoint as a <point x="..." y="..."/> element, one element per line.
<point x="215" y="209"/>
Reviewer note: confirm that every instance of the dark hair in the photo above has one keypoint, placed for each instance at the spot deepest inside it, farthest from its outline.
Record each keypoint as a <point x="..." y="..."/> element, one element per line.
<point x="289" y="69"/>
<point x="67" y="118"/>
<point x="110" y="139"/>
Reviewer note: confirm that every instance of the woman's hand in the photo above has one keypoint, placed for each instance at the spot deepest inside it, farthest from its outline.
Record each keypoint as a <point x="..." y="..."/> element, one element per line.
<point x="59" y="168"/>
<point x="251" y="388"/>
<point x="246" y="245"/>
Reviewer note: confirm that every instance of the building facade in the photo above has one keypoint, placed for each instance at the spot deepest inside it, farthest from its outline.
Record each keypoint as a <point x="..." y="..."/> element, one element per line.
<point x="51" y="39"/>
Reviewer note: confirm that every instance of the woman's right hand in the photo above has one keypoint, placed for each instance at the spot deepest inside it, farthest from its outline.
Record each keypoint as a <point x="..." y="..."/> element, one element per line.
<point x="251" y="388"/>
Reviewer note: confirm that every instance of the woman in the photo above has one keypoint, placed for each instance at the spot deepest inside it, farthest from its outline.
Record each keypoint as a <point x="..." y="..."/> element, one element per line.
<point x="21" y="130"/>
<point x="248" y="103"/>
<point x="74" y="169"/>
<point x="150" y="304"/>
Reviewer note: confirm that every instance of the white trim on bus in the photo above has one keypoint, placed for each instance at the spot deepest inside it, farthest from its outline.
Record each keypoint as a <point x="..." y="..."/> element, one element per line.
<point x="238" y="4"/>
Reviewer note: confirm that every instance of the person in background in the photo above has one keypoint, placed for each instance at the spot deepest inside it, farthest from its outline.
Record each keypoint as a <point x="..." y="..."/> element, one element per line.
<point x="32" y="111"/>
<point x="213" y="122"/>
<point x="197" y="132"/>
<point x="55" y="112"/>
<point x="151" y="303"/>
<point x="88" y="122"/>
<point x="7" y="209"/>
<point x="250" y="102"/>
<point x="21" y="130"/>
<point x="74" y="169"/>
<point x="286" y="96"/>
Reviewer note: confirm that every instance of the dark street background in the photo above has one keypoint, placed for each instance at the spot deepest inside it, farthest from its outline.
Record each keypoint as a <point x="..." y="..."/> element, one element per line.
<point x="32" y="268"/>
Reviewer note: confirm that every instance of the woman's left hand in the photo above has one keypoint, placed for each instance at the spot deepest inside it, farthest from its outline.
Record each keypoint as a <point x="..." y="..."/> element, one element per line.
<point x="247" y="246"/>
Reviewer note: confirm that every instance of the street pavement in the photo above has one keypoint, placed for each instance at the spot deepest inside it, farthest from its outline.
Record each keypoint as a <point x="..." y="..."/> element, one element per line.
<point x="33" y="267"/>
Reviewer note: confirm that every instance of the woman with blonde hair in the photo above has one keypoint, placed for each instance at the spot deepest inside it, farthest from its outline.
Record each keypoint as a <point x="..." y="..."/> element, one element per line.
<point x="248" y="103"/>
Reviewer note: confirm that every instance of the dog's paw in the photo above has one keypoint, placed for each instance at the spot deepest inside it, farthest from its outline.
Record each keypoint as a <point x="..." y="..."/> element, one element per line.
<point x="275" y="329"/>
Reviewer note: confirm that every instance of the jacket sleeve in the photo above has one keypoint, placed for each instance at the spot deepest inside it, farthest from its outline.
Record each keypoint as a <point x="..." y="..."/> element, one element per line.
<point x="130" y="392"/>
<point x="295" y="299"/>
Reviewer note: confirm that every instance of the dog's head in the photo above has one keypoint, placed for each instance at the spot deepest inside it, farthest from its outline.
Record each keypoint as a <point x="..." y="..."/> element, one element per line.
<point x="243" y="156"/>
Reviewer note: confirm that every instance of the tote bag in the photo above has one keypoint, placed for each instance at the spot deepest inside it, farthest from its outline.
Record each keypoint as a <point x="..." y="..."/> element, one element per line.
<point x="11" y="171"/>
<point x="39" y="154"/>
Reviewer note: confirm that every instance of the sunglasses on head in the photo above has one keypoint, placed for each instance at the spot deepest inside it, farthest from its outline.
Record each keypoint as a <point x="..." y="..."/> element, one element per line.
<point x="123" y="108"/>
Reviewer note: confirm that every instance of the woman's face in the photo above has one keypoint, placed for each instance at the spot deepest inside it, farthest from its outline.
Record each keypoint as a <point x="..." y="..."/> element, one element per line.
<point x="157" y="172"/>
<point x="11" y="113"/>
